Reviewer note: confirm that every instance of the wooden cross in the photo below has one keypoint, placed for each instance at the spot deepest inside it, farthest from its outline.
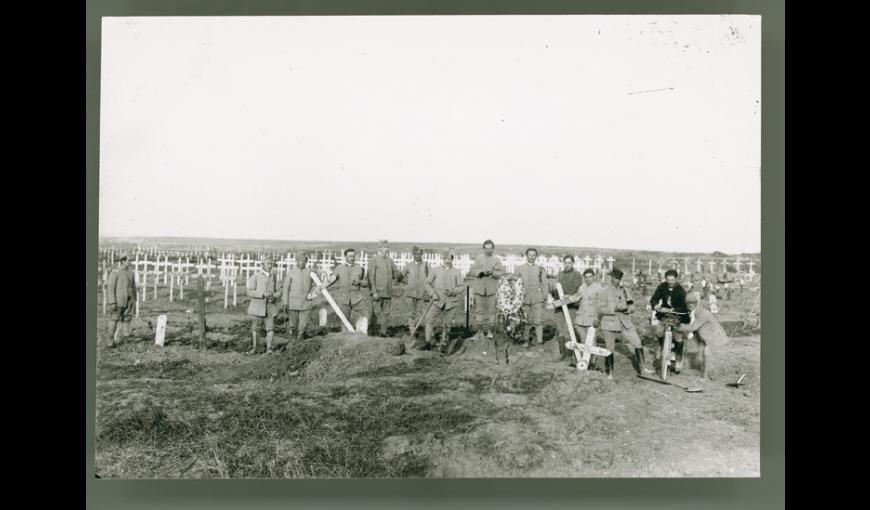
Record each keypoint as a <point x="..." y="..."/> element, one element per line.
<point x="649" y="269"/>
<point x="633" y="270"/>
<point x="610" y="261"/>
<point x="586" y="261"/>
<point x="712" y="267"/>
<point x="598" y="261"/>
<point x="698" y="264"/>
<point x="582" y="352"/>
<point x="737" y="264"/>
<point x="332" y="302"/>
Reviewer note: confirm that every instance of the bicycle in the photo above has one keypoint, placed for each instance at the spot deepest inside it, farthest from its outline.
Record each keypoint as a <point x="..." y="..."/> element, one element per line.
<point x="670" y="320"/>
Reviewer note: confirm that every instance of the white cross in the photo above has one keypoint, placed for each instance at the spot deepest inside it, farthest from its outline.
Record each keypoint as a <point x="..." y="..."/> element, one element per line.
<point x="698" y="264"/>
<point x="712" y="267"/>
<point x="598" y="261"/>
<point x="610" y="261"/>
<point x="737" y="264"/>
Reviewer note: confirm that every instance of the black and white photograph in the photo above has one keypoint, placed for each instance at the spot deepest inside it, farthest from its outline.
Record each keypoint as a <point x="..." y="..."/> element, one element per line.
<point x="445" y="246"/>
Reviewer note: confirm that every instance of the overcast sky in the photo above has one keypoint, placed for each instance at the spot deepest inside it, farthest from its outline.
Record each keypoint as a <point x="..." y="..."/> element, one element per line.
<point x="633" y="132"/>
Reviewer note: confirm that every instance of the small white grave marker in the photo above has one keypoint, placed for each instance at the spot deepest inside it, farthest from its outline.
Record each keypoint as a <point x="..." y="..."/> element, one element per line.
<point x="160" y="335"/>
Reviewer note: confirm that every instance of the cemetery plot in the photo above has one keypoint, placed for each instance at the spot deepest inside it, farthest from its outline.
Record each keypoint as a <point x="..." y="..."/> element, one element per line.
<point x="344" y="405"/>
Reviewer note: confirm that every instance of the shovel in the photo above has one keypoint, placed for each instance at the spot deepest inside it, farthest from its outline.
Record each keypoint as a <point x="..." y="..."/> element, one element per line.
<point x="738" y="383"/>
<point x="694" y="389"/>
<point x="416" y="326"/>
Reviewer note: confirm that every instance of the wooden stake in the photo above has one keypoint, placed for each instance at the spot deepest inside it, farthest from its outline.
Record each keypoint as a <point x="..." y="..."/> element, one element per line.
<point x="105" y="293"/>
<point x="201" y="302"/>
<point x="171" y="287"/>
<point x="234" y="292"/>
<point x="226" y="293"/>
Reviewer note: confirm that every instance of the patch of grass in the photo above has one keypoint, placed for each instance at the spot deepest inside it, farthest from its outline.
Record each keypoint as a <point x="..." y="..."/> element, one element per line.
<point x="286" y="434"/>
<point x="175" y="369"/>
<point x="419" y="366"/>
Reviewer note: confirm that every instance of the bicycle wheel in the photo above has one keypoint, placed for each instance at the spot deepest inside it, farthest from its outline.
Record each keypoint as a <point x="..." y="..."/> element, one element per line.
<point x="666" y="354"/>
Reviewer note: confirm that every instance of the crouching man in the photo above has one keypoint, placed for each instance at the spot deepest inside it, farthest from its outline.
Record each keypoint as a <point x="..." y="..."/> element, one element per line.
<point x="706" y="328"/>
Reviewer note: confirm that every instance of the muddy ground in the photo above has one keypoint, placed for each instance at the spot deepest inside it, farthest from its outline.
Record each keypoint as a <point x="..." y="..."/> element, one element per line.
<point x="346" y="405"/>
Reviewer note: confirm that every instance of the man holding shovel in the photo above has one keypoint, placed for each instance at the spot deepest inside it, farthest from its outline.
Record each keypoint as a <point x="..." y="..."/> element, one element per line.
<point x="414" y="274"/>
<point x="444" y="285"/>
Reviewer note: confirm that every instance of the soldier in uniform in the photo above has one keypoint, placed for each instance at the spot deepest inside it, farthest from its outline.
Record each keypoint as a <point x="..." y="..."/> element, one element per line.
<point x="352" y="295"/>
<point x="571" y="281"/>
<point x="294" y="296"/>
<point x="536" y="289"/>
<point x="444" y="285"/>
<point x="264" y="290"/>
<point x="587" y="305"/>
<point x="121" y="297"/>
<point x="487" y="270"/>
<point x="615" y="308"/>
<point x="381" y="272"/>
<point x="414" y="274"/>
<point x="706" y="328"/>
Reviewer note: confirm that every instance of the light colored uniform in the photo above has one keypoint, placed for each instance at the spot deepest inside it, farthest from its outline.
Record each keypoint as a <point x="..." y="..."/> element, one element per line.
<point x="536" y="288"/>
<point x="415" y="275"/>
<point x="706" y="328"/>
<point x="262" y="310"/>
<point x="297" y="284"/>
<point x="587" y="311"/>
<point x="615" y="322"/>
<point x="440" y="280"/>
<point x="485" y="289"/>
<point x="381" y="272"/>
<point x="352" y="293"/>
<point x="121" y="292"/>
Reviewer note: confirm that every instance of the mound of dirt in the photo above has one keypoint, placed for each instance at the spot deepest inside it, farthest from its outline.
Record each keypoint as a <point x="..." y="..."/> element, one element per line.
<point x="344" y="355"/>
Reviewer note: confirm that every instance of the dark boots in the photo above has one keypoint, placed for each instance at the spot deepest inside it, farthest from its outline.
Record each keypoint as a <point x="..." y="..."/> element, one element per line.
<point x="678" y="355"/>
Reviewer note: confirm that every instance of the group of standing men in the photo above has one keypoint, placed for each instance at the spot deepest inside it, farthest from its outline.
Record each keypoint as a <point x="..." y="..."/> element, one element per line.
<point x="432" y="296"/>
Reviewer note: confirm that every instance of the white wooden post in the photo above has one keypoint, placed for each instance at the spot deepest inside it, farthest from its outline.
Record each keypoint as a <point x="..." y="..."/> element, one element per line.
<point x="737" y="264"/>
<point x="156" y="281"/>
<point x="226" y="292"/>
<point x="633" y="268"/>
<point x="234" y="292"/>
<point x="165" y="269"/>
<point x="649" y="269"/>
<point x="610" y="261"/>
<point x="698" y="264"/>
<point x="587" y="260"/>
<point x="171" y="287"/>
<point x="712" y="267"/>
